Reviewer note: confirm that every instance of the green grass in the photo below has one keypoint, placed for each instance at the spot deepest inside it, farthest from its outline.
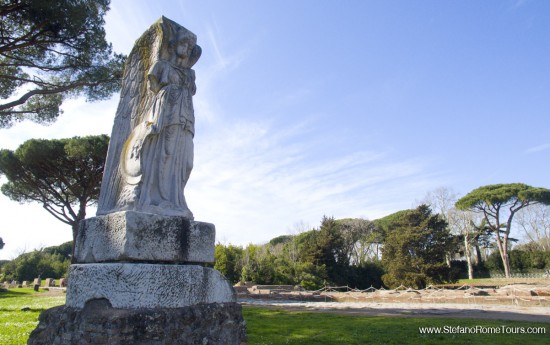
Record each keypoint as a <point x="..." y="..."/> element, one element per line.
<point x="16" y="325"/>
<point x="274" y="326"/>
<point x="503" y="281"/>
<point x="267" y="326"/>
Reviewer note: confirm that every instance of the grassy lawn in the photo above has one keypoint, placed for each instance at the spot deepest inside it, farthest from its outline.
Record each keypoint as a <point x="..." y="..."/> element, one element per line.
<point x="16" y="325"/>
<point x="503" y="281"/>
<point x="275" y="326"/>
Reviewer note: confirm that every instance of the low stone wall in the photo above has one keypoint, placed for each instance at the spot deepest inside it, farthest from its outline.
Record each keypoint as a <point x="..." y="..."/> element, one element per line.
<point x="518" y="295"/>
<point x="443" y="298"/>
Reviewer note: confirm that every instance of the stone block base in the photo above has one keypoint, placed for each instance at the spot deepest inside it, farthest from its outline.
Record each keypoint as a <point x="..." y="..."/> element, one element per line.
<point x="98" y="323"/>
<point x="132" y="286"/>
<point x="132" y="236"/>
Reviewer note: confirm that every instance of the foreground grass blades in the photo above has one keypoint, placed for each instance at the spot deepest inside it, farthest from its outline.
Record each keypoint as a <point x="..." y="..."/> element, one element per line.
<point x="271" y="326"/>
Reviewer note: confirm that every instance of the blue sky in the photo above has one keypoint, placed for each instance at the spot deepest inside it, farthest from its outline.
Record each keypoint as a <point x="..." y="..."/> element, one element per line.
<point x="342" y="108"/>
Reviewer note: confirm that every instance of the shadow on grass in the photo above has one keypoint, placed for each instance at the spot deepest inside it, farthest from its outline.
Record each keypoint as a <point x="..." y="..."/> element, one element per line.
<point x="23" y="292"/>
<point x="31" y="310"/>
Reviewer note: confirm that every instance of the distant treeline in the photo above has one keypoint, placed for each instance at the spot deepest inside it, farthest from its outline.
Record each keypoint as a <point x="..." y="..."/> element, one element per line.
<point x="51" y="262"/>
<point x="411" y="247"/>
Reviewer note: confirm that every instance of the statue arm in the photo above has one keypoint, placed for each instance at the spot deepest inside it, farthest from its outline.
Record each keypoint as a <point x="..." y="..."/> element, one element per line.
<point x="154" y="83"/>
<point x="155" y="77"/>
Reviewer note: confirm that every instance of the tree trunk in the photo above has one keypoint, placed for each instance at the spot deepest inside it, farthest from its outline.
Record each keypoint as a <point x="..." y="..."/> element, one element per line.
<point x="74" y="227"/>
<point x="506" y="262"/>
<point x="76" y="224"/>
<point x="478" y="254"/>
<point x="503" y="250"/>
<point x="505" y="256"/>
<point x="468" y="254"/>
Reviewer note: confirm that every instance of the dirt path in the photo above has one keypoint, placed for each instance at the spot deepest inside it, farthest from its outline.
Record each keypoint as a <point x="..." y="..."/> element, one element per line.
<point x="493" y="312"/>
<point x="448" y="310"/>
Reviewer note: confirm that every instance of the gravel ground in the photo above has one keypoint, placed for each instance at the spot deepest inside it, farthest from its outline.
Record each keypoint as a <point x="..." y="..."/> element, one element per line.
<point x="474" y="311"/>
<point x="451" y="310"/>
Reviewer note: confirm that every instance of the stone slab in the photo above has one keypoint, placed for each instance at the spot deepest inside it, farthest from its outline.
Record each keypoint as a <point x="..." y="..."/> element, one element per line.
<point x="130" y="236"/>
<point x="98" y="323"/>
<point x="133" y="286"/>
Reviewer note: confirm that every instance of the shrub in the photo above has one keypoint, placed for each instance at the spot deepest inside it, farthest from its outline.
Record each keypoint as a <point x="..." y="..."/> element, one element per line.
<point x="52" y="262"/>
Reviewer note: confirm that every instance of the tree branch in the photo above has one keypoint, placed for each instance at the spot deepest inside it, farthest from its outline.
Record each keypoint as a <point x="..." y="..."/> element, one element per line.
<point x="7" y="9"/>
<point x="26" y="80"/>
<point x="31" y="64"/>
<point x="30" y="39"/>
<point x="31" y="93"/>
<point x="55" y="214"/>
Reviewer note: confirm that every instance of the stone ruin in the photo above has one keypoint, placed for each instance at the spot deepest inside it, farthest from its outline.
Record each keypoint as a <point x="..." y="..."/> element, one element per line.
<point x="140" y="274"/>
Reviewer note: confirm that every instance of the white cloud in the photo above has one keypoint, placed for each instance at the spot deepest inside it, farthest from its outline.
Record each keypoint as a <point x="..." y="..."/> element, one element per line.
<point x="538" y="148"/>
<point x="28" y="226"/>
<point x="252" y="179"/>
<point x="211" y="71"/>
<point x="79" y="118"/>
<point x="255" y="179"/>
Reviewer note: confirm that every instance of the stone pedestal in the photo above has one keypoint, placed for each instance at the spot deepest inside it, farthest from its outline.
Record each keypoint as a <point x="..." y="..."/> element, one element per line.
<point x="99" y="323"/>
<point x="134" y="286"/>
<point x="140" y="279"/>
<point x="132" y="236"/>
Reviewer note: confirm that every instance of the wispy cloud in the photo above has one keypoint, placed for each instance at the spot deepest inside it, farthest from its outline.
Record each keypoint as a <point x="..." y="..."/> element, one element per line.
<point x="225" y="58"/>
<point x="518" y="3"/>
<point x="255" y="179"/>
<point x="222" y="62"/>
<point x="79" y="118"/>
<point x="538" y="148"/>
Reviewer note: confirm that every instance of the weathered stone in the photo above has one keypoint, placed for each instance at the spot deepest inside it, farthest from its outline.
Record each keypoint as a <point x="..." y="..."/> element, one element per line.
<point x="150" y="154"/>
<point x="98" y="323"/>
<point x="136" y="278"/>
<point x="50" y="282"/>
<point x="144" y="237"/>
<point x="133" y="286"/>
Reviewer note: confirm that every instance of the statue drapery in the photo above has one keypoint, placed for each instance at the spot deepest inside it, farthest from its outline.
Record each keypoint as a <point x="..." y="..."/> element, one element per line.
<point x="150" y="155"/>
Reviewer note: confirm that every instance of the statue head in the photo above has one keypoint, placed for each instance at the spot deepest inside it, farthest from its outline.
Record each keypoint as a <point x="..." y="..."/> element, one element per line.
<point x="181" y="44"/>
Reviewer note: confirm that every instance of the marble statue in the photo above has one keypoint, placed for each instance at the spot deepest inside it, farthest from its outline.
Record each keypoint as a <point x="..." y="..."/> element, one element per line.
<point x="141" y="259"/>
<point x="150" y="155"/>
